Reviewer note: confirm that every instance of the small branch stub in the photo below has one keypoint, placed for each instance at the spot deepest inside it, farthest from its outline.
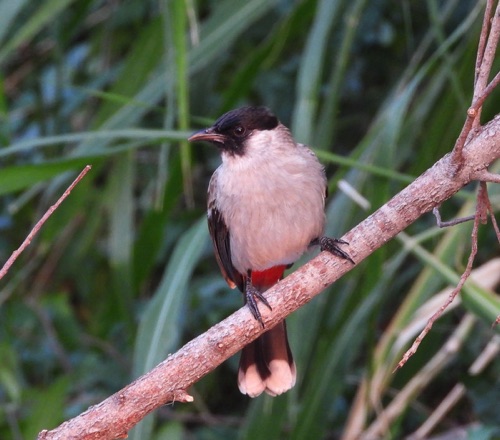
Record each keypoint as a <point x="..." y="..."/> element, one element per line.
<point x="182" y="396"/>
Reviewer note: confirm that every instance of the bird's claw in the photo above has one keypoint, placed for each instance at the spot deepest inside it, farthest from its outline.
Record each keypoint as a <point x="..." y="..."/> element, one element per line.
<point x="332" y="245"/>
<point x="251" y="295"/>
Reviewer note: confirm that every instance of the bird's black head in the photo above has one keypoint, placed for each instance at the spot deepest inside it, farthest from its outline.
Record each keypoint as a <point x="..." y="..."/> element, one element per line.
<point x="233" y="128"/>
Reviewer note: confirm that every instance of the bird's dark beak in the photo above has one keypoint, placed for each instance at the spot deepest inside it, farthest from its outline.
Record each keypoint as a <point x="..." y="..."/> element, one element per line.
<point x="207" y="135"/>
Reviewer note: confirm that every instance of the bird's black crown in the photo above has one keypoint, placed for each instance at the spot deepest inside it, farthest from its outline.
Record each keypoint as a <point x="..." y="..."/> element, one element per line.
<point x="247" y="118"/>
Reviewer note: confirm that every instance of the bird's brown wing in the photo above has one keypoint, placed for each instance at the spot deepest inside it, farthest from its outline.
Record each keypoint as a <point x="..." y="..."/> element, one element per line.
<point x="219" y="233"/>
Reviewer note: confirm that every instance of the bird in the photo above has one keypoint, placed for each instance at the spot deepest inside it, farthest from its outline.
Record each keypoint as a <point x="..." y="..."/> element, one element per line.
<point x="266" y="207"/>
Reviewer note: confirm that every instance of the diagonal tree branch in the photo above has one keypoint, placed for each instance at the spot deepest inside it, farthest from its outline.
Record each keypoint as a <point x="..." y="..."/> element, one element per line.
<point x="169" y="381"/>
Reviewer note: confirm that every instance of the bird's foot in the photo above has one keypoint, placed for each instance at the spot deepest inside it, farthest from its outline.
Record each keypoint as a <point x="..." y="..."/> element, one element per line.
<point x="332" y="245"/>
<point x="251" y="296"/>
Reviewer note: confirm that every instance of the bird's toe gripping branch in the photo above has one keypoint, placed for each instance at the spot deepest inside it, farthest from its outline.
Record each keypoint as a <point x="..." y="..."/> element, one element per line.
<point x="332" y="245"/>
<point x="251" y="296"/>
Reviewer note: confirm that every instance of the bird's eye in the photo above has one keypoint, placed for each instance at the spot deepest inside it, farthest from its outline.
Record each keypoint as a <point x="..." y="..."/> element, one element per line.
<point x="239" y="131"/>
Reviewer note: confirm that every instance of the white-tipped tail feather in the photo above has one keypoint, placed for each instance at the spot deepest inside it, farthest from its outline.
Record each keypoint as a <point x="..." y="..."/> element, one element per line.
<point x="250" y="382"/>
<point x="283" y="377"/>
<point x="267" y="364"/>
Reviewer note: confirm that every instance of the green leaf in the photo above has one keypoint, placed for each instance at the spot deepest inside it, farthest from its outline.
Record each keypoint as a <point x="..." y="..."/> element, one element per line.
<point x="308" y="82"/>
<point x="121" y="206"/>
<point x="31" y="145"/>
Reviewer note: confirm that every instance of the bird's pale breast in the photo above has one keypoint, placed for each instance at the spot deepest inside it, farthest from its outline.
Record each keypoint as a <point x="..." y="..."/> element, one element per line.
<point x="272" y="210"/>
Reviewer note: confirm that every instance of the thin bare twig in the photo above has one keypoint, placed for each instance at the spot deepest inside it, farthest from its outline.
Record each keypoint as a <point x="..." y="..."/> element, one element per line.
<point x="40" y="223"/>
<point x="483" y="38"/>
<point x="487" y="176"/>
<point x="497" y="232"/>
<point x="486" y="54"/>
<point x="478" y="218"/>
<point x="473" y="117"/>
<point x="489" y="210"/>
<point x="474" y="109"/>
<point x="454" y="222"/>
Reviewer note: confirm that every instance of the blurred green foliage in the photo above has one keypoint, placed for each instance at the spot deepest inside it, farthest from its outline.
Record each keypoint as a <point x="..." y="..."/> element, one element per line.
<point x="123" y="272"/>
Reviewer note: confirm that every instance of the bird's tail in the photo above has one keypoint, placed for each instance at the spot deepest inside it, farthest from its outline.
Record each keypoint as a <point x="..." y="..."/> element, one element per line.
<point x="267" y="364"/>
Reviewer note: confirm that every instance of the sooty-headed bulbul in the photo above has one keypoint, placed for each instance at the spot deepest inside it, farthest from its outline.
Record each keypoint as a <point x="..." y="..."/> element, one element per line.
<point x="266" y="207"/>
